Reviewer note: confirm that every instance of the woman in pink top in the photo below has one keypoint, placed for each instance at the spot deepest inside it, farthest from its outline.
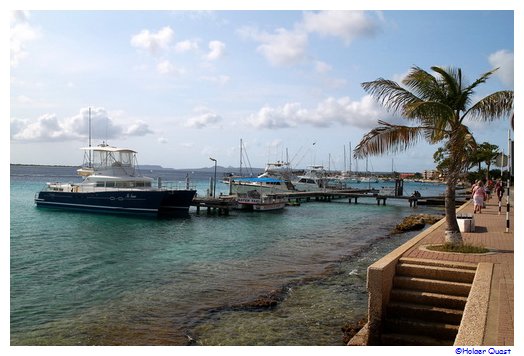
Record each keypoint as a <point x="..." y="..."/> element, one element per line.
<point x="479" y="195"/>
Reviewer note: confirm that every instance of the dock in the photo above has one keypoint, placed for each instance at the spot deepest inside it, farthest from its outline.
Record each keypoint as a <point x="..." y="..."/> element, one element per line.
<point x="355" y="195"/>
<point x="220" y="205"/>
<point x="224" y="203"/>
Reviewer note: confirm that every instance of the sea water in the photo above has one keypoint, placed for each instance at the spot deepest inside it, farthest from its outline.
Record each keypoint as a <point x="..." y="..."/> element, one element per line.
<point x="93" y="279"/>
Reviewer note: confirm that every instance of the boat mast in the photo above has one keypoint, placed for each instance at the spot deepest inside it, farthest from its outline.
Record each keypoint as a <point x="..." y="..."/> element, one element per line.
<point x="89" y="137"/>
<point x="350" y="157"/>
<point x="345" y="158"/>
<point x="241" y="157"/>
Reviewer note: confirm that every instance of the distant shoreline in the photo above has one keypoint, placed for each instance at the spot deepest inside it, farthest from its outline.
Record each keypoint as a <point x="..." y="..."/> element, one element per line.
<point x="40" y="165"/>
<point x="220" y="169"/>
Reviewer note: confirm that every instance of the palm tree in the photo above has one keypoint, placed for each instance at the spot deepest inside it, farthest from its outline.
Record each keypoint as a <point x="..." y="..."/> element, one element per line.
<point x="488" y="152"/>
<point x="437" y="107"/>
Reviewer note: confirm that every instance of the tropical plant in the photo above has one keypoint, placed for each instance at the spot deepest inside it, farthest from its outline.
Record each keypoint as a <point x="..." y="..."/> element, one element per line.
<point x="437" y="107"/>
<point x="488" y="153"/>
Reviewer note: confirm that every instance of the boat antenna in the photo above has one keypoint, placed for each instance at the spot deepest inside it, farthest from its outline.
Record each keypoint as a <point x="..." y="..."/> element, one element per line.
<point x="89" y="136"/>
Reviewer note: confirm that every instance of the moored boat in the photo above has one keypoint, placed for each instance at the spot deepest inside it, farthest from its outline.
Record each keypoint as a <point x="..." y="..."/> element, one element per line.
<point x="255" y="201"/>
<point x="313" y="179"/>
<point x="264" y="185"/>
<point x="112" y="183"/>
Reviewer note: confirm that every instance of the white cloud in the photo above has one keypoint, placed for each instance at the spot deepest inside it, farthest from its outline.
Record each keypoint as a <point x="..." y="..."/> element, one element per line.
<point x="204" y="118"/>
<point x="21" y="33"/>
<point x="186" y="46"/>
<point x="46" y="128"/>
<point x="346" y="25"/>
<point x="504" y="60"/>
<point x="138" y="128"/>
<point x="321" y="67"/>
<point x="165" y="67"/>
<point x="22" y="99"/>
<point x="216" y="50"/>
<point x="49" y="127"/>
<point x="283" y="48"/>
<point x="162" y="140"/>
<point x="219" y="79"/>
<point x="363" y="114"/>
<point x="153" y="42"/>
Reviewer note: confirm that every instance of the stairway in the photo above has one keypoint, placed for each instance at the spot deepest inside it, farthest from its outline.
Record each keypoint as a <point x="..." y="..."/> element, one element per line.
<point x="426" y="302"/>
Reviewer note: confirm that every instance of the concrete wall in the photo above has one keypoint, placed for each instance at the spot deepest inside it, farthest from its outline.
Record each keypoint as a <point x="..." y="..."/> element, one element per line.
<point x="379" y="284"/>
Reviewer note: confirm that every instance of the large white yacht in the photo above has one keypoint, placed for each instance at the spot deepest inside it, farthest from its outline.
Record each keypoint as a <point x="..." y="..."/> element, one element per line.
<point x="113" y="183"/>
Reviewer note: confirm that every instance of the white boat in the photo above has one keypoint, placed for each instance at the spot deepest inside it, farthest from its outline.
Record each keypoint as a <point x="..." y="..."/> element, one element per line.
<point x="278" y="169"/>
<point x="369" y="179"/>
<point x="313" y="179"/>
<point x="112" y="183"/>
<point x="264" y="185"/>
<point x="255" y="201"/>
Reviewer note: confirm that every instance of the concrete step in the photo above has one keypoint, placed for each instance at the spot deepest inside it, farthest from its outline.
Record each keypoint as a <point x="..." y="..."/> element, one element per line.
<point x="435" y="299"/>
<point x="424" y="312"/>
<point x="449" y="264"/>
<point x="435" y="272"/>
<point x="394" y="339"/>
<point x="440" y="331"/>
<point x="432" y="285"/>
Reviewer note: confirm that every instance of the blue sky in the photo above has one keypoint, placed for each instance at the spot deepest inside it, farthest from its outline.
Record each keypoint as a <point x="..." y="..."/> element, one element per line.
<point x="182" y="86"/>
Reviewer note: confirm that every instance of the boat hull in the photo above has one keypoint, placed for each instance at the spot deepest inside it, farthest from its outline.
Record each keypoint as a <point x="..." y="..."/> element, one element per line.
<point x="266" y="203"/>
<point x="153" y="202"/>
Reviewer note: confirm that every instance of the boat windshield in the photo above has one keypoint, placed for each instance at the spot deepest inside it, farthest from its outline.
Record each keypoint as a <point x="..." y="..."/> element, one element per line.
<point x="112" y="160"/>
<point x="106" y="159"/>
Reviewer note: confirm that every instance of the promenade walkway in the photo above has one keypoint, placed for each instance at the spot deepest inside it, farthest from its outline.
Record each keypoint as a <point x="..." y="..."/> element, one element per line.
<point x="489" y="233"/>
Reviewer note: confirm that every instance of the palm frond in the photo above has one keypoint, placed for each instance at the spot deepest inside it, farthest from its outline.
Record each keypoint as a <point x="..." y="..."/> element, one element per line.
<point x="422" y="83"/>
<point x="451" y="80"/>
<point x="491" y="107"/>
<point x="389" y="94"/>
<point x="464" y="99"/>
<point x="388" y="138"/>
<point x="483" y="78"/>
<point x="428" y="111"/>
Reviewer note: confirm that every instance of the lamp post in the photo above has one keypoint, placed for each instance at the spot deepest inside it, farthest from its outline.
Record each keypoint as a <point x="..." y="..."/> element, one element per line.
<point x="215" y="178"/>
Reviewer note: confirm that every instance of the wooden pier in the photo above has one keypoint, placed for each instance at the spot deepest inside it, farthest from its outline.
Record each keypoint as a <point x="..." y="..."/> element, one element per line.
<point x="220" y="205"/>
<point x="364" y="194"/>
<point x="225" y="203"/>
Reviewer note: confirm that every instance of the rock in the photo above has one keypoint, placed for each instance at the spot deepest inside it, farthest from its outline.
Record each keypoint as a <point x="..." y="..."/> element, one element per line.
<point x="416" y="222"/>
<point x="351" y="329"/>
<point x="266" y="301"/>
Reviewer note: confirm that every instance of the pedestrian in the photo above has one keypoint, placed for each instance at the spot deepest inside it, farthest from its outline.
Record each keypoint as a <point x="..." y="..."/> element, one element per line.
<point x="499" y="189"/>
<point x="479" y="195"/>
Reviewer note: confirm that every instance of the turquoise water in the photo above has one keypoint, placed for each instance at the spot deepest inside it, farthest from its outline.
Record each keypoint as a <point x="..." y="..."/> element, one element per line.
<point x="90" y="279"/>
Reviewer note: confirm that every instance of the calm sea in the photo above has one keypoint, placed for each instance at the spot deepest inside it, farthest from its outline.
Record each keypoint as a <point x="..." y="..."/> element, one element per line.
<point x="293" y="277"/>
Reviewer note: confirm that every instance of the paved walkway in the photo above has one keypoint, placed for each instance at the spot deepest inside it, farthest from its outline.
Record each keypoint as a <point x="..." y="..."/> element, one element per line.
<point x="489" y="233"/>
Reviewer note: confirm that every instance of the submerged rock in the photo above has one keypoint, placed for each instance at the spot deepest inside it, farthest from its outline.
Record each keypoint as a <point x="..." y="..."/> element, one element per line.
<point x="416" y="222"/>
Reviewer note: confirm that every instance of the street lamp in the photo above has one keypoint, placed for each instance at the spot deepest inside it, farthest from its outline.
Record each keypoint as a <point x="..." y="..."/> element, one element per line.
<point x="215" y="179"/>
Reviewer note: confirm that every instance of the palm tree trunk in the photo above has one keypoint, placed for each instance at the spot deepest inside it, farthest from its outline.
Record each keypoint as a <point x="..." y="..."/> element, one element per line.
<point x="452" y="234"/>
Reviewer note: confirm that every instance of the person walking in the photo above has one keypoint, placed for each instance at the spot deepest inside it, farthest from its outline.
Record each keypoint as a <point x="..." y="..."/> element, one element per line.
<point x="499" y="189"/>
<point x="479" y="195"/>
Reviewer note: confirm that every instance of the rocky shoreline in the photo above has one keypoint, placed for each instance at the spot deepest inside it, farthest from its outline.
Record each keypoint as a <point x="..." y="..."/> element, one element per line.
<point x="273" y="298"/>
<point x="416" y="222"/>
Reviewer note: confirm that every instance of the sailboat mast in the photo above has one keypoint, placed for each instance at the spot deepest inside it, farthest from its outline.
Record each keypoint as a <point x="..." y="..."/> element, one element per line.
<point x="89" y="136"/>
<point x="345" y="158"/>
<point x="350" y="157"/>
<point x="241" y="157"/>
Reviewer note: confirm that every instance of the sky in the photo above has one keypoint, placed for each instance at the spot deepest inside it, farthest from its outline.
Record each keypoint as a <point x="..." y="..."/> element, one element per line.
<point x="180" y="87"/>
